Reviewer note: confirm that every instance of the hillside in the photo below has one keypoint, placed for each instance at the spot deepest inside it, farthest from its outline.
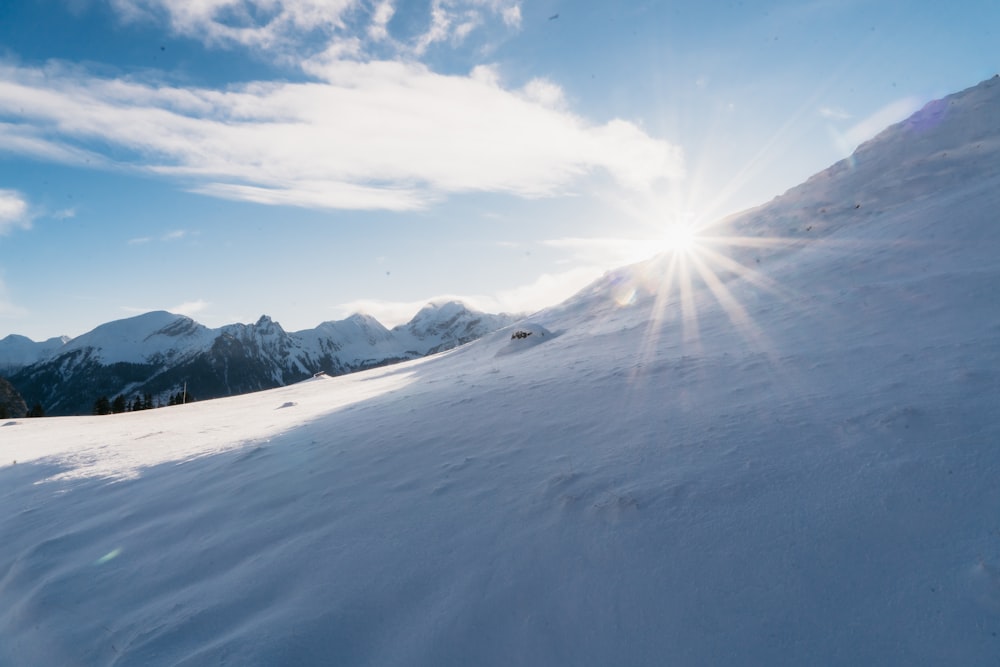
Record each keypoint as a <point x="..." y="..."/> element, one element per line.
<point x="791" y="461"/>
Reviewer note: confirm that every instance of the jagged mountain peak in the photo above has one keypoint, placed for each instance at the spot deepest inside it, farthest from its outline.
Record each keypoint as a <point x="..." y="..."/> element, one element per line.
<point x="437" y="314"/>
<point x="444" y="324"/>
<point x="159" y="352"/>
<point x="438" y="307"/>
<point x="364" y="319"/>
<point x="361" y="321"/>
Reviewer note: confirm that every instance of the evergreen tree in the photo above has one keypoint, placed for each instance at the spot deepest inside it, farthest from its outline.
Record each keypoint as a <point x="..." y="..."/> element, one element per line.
<point x="136" y="404"/>
<point x="118" y="405"/>
<point x="147" y="401"/>
<point x="102" y="406"/>
<point x="36" y="411"/>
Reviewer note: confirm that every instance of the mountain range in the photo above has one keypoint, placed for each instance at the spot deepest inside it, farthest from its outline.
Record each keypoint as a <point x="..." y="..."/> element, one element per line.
<point x="161" y="353"/>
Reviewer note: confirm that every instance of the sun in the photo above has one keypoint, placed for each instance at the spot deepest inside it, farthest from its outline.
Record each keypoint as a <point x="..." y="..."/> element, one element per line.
<point x="679" y="238"/>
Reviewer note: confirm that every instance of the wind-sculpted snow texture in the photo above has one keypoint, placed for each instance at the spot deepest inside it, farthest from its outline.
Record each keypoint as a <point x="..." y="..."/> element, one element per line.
<point x="159" y="353"/>
<point x="809" y="478"/>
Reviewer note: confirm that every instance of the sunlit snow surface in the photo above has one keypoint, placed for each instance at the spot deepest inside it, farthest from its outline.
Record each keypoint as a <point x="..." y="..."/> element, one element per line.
<point x="808" y="474"/>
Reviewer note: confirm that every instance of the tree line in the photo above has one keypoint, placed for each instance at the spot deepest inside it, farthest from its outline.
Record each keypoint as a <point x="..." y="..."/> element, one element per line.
<point x="105" y="406"/>
<point x="35" y="411"/>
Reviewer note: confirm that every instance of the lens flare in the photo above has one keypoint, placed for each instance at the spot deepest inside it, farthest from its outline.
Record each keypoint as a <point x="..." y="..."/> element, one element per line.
<point x="679" y="238"/>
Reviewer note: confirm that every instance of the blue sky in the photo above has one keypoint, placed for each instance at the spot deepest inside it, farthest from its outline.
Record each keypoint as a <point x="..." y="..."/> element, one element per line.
<point x="310" y="158"/>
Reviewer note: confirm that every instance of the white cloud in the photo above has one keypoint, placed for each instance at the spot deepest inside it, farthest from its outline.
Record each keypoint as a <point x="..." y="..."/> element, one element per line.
<point x="441" y="21"/>
<point x="14" y="211"/>
<point x="511" y="14"/>
<point x="881" y="119"/>
<point x="381" y="16"/>
<point x="452" y="21"/>
<point x="294" y="28"/>
<point x="174" y="235"/>
<point x="834" y="113"/>
<point x="320" y="195"/>
<point x="546" y="93"/>
<point x="268" y="24"/>
<point x="27" y="140"/>
<point x="548" y="289"/>
<point x="366" y="135"/>
<point x="190" y="308"/>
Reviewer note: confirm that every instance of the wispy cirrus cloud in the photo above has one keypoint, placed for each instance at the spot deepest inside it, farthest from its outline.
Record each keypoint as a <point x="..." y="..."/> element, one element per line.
<point x="174" y="235"/>
<point x="190" y="308"/>
<point x="891" y="113"/>
<point x="834" y="113"/>
<point x="267" y="24"/>
<point x="300" y="27"/>
<point x="381" y="134"/>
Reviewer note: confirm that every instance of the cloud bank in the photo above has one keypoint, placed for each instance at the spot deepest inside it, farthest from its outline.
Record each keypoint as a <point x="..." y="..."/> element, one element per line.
<point x="361" y="133"/>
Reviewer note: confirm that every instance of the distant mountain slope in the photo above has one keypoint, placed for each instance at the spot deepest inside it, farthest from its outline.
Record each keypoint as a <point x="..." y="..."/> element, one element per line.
<point x="158" y="353"/>
<point x="19" y="351"/>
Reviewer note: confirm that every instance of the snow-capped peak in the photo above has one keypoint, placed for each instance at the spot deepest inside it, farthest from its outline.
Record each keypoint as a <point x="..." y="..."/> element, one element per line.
<point x="17" y="351"/>
<point x="143" y="337"/>
<point x="438" y="326"/>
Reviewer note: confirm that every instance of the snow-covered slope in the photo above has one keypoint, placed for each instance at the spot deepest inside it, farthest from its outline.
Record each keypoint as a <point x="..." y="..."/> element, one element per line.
<point x="796" y="466"/>
<point x="158" y="353"/>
